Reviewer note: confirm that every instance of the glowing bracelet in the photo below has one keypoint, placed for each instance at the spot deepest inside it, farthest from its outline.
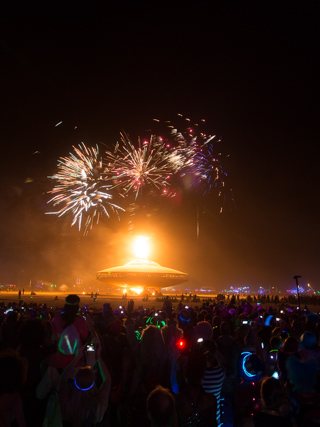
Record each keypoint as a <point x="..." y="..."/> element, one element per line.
<point x="83" y="389"/>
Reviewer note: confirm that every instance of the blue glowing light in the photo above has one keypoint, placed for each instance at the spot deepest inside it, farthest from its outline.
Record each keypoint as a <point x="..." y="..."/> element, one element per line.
<point x="83" y="389"/>
<point x="247" y="373"/>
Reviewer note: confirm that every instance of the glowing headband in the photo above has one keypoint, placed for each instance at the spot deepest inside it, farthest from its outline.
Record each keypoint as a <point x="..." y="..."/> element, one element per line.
<point x="83" y="389"/>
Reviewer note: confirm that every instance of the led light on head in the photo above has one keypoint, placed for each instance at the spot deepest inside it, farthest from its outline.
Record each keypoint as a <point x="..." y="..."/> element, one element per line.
<point x="181" y="344"/>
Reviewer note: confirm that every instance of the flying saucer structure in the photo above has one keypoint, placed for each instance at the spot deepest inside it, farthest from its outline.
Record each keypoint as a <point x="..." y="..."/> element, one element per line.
<point x="142" y="273"/>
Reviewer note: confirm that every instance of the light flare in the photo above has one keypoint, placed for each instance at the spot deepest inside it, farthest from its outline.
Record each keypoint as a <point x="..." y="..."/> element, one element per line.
<point x="141" y="247"/>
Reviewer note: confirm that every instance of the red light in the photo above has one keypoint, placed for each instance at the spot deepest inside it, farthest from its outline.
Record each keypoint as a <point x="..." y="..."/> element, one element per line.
<point x="181" y="344"/>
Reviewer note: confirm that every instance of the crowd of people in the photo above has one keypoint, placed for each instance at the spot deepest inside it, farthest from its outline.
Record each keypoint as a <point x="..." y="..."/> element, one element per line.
<point x="230" y="362"/>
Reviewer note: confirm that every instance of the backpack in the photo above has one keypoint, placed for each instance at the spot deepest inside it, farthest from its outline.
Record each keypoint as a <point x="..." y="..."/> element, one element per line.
<point x="69" y="341"/>
<point x="195" y="419"/>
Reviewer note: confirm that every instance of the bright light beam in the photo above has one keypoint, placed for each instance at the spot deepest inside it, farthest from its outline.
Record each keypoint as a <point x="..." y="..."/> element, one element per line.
<point x="141" y="247"/>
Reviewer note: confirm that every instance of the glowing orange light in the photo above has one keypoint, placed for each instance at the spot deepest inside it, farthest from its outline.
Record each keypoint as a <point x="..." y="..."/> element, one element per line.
<point x="137" y="290"/>
<point x="141" y="247"/>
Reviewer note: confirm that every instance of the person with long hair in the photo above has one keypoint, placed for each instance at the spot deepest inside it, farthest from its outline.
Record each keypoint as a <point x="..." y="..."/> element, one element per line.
<point x="275" y="405"/>
<point x="161" y="407"/>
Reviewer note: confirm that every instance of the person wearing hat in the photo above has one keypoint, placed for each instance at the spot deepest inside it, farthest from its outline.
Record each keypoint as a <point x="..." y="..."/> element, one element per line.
<point x="310" y="348"/>
<point x="69" y="330"/>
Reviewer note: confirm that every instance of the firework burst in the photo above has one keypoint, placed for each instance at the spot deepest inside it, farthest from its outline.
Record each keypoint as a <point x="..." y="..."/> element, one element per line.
<point x="205" y="168"/>
<point x="197" y="157"/>
<point x="150" y="165"/>
<point x="81" y="188"/>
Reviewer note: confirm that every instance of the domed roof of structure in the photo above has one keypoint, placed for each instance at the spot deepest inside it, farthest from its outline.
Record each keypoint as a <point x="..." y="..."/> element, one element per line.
<point x="142" y="273"/>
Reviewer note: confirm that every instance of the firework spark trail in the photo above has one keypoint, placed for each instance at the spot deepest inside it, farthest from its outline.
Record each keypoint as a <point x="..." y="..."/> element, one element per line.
<point x="206" y="169"/>
<point x="81" y="187"/>
<point x="196" y="154"/>
<point x="134" y="168"/>
<point x="84" y="181"/>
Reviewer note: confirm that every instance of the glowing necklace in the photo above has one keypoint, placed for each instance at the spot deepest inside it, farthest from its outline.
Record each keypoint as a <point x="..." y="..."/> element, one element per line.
<point x="83" y="389"/>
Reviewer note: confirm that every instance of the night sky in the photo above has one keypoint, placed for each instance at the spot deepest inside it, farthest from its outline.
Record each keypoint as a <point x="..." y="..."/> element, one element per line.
<point x="251" y="69"/>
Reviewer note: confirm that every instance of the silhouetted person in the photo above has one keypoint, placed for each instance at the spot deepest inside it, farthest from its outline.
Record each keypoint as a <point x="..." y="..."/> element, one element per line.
<point x="161" y="407"/>
<point x="193" y="402"/>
